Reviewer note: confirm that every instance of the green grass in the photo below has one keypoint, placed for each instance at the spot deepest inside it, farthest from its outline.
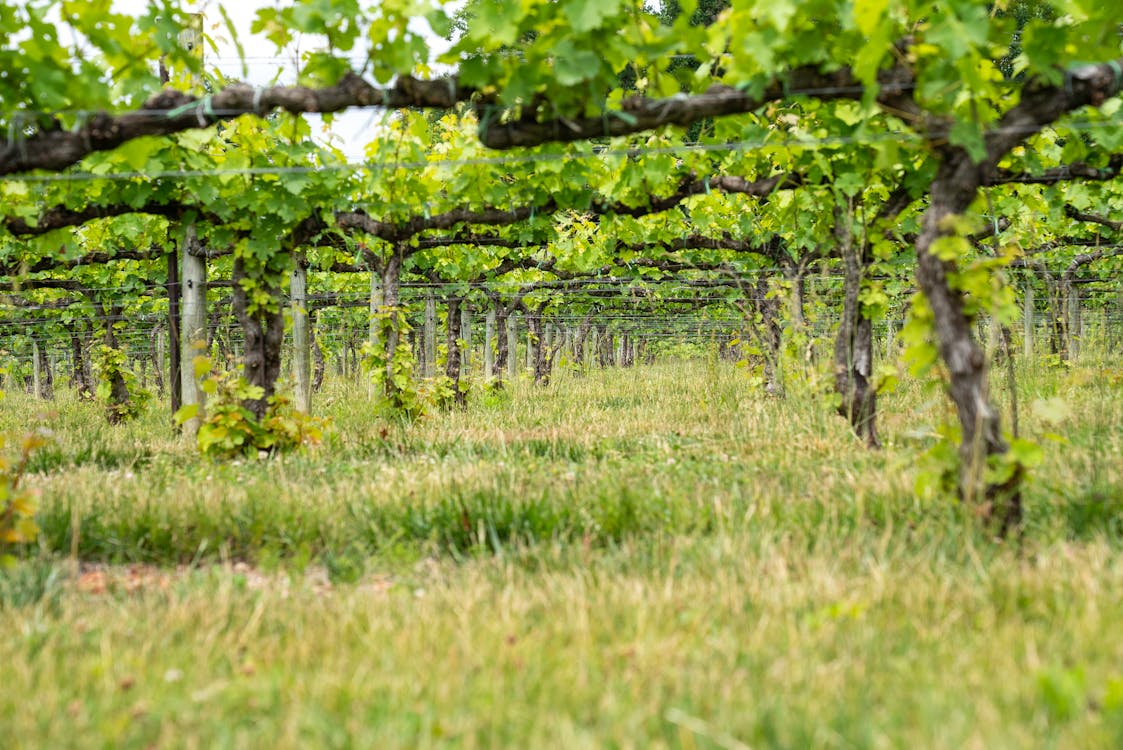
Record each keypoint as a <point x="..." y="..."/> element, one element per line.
<point x="650" y="558"/>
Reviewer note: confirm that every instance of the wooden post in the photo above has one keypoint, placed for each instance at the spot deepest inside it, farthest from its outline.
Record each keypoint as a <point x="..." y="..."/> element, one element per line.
<point x="376" y="302"/>
<point x="465" y="336"/>
<point x="36" y="372"/>
<point x="512" y="345"/>
<point x="530" y="335"/>
<point x="193" y="328"/>
<point x="1029" y="325"/>
<point x="1107" y="337"/>
<point x="174" y="357"/>
<point x="51" y="361"/>
<point x="1074" y="323"/>
<point x="429" y="347"/>
<point x="994" y="333"/>
<point x="489" y="336"/>
<point x="161" y="355"/>
<point x="301" y="341"/>
<point x="340" y="358"/>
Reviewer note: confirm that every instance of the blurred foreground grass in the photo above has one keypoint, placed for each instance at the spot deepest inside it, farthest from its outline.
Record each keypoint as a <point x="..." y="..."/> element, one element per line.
<point x="658" y="557"/>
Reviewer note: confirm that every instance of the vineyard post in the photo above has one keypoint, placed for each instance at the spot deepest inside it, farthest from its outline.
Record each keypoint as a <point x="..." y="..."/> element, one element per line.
<point x="528" y="363"/>
<point x="429" y="347"/>
<point x="415" y="342"/>
<point x="340" y="357"/>
<point x="1028" y="322"/>
<point x="159" y="358"/>
<point x="1072" y="302"/>
<point x="193" y="38"/>
<point x="174" y="359"/>
<point x="512" y="345"/>
<point x="193" y="333"/>
<point x="466" y="335"/>
<point x="36" y="374"/>
<point x="1110" y="332"/>
<point x="489" y="336"/>
<point x="391" y="300"/>
<point x="48" y="360"/>
<point x="301" y="342"/>
<point x="376" y="304"/>
<point x="317" y="353"/>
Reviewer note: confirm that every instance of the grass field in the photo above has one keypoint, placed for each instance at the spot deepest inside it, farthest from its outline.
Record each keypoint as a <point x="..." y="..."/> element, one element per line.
<point x="657" y="557"/>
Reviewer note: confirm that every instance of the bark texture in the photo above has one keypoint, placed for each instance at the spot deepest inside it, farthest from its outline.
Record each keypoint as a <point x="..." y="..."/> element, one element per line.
<point x="318" y="364"/>
<point x="502" y="346"/>
<point x="853" y="348"/>
<point x="46" y="376"/>
<point x="263" y="334"/>
<point x="952" y="191"/>
<point x="173" y="111"/>
<point x="980" y="422"/>
<point x="580" y="340"/>
<point x="543" y="352"/>
<point x="454" y="356"/>
<point x="391" y="300"/>
<point x="119" y="397"/>
<point x="762" y="318"/>
<point x="80" y="370"/>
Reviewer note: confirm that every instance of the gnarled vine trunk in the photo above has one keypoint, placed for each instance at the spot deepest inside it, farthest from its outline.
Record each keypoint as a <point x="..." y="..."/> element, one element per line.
<point x="606" y="356"/>
<point x="119" y="398"/>
<point x="318" y="364"/>
<point x="796" y="276"/>
<point x="627" y="354"/>
<point x="502" y="348"/>
<point x="541" y="353"/>
<point x="46" y="378"/>
<point x="763" y="322"/>
<point x="952" y="192"/>
<point x="540" y="360"/>
<point x="954" y="188"/>
<point x="853" y="347"/>
<point x="453" y="357"/>
<point x="391" y="301"/>
<point x="80" y="370"/>
<point x="580" y="340"/>
<point x="264" y="333"/>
